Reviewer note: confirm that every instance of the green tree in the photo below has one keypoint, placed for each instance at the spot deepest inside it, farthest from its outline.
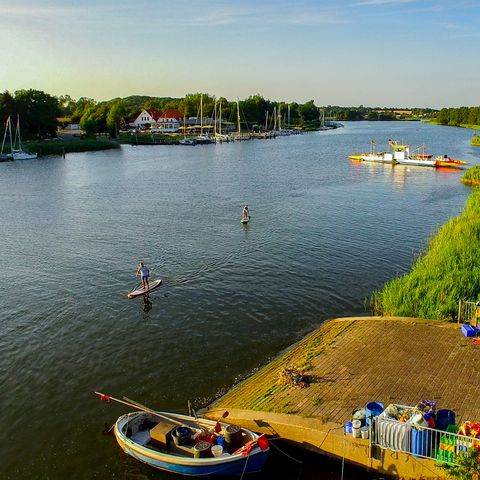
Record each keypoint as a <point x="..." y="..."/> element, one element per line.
<point x="309" y="111"/>
<point x="38" y="112"/>
<point x="116" y="112"/>
<point x="88" y="123"/>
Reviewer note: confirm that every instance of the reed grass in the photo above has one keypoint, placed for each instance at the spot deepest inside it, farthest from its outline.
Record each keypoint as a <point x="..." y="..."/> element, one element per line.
<point x="448" y="271"/>
<point x="471" y="176"/>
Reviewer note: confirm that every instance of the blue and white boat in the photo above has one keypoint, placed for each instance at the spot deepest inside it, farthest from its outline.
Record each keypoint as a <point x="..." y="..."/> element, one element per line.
<point x="190" y="446"/>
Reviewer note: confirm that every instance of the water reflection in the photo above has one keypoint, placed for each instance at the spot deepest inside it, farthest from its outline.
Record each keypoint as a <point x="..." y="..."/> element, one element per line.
<point x="400" y="174"/>
<point x="147" y="304"/>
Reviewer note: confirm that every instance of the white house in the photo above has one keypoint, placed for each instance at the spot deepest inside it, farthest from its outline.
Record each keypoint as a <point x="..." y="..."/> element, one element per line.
<point x="146" y="117"/>
<point x="166" y="122"/>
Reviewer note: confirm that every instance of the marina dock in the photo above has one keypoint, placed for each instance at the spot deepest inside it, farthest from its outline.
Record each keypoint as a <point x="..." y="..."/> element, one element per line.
<point x="347" y="363"/>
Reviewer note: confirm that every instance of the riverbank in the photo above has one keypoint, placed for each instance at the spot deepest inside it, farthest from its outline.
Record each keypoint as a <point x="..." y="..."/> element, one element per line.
<point x="347" y="363"/>
<point x="471" y="177"/>
<point x="444" y="274"/>
<point x="59" y="147"/>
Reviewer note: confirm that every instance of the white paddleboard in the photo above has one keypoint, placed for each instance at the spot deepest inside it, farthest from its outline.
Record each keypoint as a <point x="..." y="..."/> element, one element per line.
<point x="138" y="292"/>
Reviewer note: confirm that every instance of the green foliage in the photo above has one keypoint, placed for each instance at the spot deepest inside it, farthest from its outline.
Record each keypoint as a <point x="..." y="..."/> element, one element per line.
<point x="467" y="465"/>
<point x="447" y="272"/>
<point x="38" y="112"/>
<point x="309" y="111"/>
<point x="458" y="116"/>
<point x="472" y="176"/>
<point x="88" y="123"/>
<point x="116" y="112"/>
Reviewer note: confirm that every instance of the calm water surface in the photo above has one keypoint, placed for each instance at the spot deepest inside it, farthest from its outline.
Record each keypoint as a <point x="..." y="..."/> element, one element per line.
<point x="325" y="232"/>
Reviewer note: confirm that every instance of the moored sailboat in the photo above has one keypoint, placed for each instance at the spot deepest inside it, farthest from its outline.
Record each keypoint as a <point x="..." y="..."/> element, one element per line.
<point x="4" y="157"/>
<point x="17" y="151"/>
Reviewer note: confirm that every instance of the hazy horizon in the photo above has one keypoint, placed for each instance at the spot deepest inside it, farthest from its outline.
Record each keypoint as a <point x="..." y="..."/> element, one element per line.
<point x="377" y="53"/>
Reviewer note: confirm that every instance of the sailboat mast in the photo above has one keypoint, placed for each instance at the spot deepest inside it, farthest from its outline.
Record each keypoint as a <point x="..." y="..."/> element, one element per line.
<point x="238" y="116"/>
<point x="215" y="118"/>
<point x="274" y="118"/>
<point x="4" y="135"/>
<point x="266" y="120"/>
<point x="220" y="117"/>
<point x="10" y="130"/>
<point x="288" y="115"/>
<point x="201" y="114"/>
<point x="279" y="117"/>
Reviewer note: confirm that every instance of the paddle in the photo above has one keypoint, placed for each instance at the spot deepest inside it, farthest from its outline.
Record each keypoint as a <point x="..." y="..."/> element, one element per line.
<point x="139" y="406"/>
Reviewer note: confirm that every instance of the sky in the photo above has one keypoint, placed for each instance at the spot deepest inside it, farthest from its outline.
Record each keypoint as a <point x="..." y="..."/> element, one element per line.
<point x="386" y="53"/>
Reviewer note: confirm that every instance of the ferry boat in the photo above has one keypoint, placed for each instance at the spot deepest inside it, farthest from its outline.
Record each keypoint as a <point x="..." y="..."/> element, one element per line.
<point x="401" y="154"/>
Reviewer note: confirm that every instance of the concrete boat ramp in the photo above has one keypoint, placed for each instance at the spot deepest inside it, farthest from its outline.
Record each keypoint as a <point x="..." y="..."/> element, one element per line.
<point x="347" y="363"/>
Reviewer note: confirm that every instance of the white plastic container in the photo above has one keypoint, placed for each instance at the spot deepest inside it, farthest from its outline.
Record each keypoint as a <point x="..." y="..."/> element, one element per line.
<point x="217" y="450"/>
<point x="356" y="425"/>
<point x="364" y="432"/>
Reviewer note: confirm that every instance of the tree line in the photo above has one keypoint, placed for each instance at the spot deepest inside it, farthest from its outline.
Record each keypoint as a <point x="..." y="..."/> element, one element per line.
<point x="41" y="113"/>
<point x="456" y="117"/>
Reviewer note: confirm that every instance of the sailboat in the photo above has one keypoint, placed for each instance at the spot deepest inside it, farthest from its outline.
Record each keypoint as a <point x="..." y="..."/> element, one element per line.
<point x="185" y="140"/>
<point x="4" y="157"/>
<point x="202" y="138"/>
<point x="219" y="136"/>
<point x="17" y="151"/>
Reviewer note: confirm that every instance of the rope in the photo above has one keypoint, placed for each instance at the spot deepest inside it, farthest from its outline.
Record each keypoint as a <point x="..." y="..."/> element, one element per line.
<point x="284" y="453"/>
<point x="244" y="467"/>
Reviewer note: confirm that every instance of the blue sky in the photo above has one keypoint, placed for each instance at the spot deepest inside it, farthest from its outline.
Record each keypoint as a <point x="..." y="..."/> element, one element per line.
<point x="340" y="52"/>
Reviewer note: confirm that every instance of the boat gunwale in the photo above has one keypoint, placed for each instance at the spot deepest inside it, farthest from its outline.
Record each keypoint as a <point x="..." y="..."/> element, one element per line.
<point x="175" y="459"/>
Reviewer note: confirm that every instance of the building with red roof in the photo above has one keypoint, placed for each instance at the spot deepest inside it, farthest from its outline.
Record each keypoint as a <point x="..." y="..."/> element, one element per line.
<point x="166" y="122"/>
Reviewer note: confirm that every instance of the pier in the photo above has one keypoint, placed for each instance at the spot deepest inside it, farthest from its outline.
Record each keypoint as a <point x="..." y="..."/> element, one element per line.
<point x="348" y="363"/>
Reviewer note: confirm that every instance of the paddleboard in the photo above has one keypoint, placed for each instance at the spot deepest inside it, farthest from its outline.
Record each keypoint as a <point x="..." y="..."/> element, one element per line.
<point x="244" y="220"/>
<point x="138" y="292"/>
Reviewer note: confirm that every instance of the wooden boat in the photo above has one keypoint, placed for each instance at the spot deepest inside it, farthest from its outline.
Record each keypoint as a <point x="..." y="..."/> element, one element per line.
<point x="188" y="445"/>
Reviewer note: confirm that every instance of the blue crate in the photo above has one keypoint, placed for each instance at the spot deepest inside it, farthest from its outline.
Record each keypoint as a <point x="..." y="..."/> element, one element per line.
<point x="468" y="330"/>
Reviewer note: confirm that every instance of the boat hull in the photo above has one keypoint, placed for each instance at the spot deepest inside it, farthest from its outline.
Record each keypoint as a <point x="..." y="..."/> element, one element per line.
<point x="234" y="464"/>
<point x="216" y="468"/>
<point x="24" y="156"/>
<point x="377" y="158"/>
<point x="418" y="162"/>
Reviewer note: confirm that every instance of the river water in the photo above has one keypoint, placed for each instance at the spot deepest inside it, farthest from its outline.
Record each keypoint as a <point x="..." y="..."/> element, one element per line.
<point x="325" y="232"/>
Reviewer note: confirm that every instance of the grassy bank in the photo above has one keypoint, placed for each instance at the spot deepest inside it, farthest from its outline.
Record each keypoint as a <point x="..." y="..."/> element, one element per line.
<point x="471" y="176"/>
<point x="58" y="147"/>
<point x="448" y="271"/>
<point x="463" y="125"/>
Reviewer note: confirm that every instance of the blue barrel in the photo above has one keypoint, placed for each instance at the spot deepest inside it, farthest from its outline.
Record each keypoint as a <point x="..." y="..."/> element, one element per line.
<point x="348" y="427"/>
<point x="420" y="442"/>
<point x="373" y="409"/>
<point x="444" y="419"/>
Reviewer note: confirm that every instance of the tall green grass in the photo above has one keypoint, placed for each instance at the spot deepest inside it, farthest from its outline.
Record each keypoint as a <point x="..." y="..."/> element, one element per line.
<point x="471" y="176"/>
<point x="448" y="271"/>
